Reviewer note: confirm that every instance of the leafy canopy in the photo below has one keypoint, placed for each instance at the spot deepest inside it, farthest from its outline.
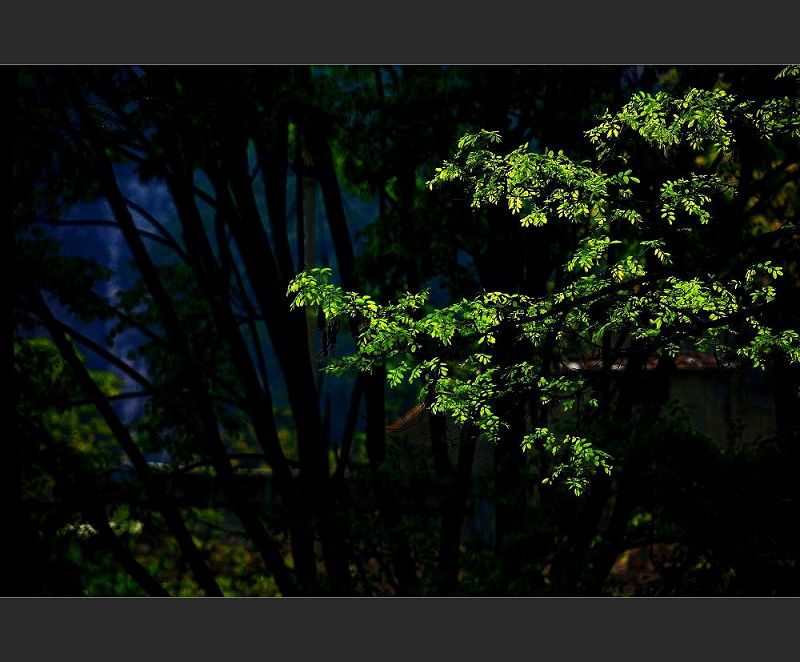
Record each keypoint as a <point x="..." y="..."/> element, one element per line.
<point x="666" y="169"/>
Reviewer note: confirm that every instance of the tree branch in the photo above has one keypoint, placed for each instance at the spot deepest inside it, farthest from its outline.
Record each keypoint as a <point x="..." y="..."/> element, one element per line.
<point x="104" y="353"/>
<point x="112" y="224"/>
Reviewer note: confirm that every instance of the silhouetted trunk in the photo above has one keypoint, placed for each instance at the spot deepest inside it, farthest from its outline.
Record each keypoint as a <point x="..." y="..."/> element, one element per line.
<point x="289" y="335"/>
<point x="404" y="567"/>
<point x="453" y="488"/>
<point x="325" y="173"/>
<point x="509" y="473"/>
<point x="273" y="158"/>
<point x="191" y="373"/>
<point x="258" y="398"/>
<point x="290" y="343"/>
<point x="453" y="508"/>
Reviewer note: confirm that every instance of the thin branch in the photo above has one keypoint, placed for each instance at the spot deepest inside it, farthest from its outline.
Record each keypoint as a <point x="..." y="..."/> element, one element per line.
<point x="124" y="317"/>
<point x="109" y="224"/>
<point x="104" y="353"/>
<point x="200" y="193"/>
<point x="160" y="227"/>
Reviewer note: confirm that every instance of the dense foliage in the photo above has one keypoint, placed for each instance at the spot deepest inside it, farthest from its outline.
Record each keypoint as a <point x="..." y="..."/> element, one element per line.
<point x="619" y="283"/>
<point x="175" y="434"/>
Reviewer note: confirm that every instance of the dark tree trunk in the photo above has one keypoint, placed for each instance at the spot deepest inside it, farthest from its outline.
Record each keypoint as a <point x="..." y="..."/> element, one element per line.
<point x="453" y="509"/>
<point x="509" y="473"/>
<point x="405" y="576"/>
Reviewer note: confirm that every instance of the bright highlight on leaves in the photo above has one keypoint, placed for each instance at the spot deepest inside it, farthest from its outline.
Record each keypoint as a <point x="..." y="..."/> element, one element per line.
<point x="609" y="287"/>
